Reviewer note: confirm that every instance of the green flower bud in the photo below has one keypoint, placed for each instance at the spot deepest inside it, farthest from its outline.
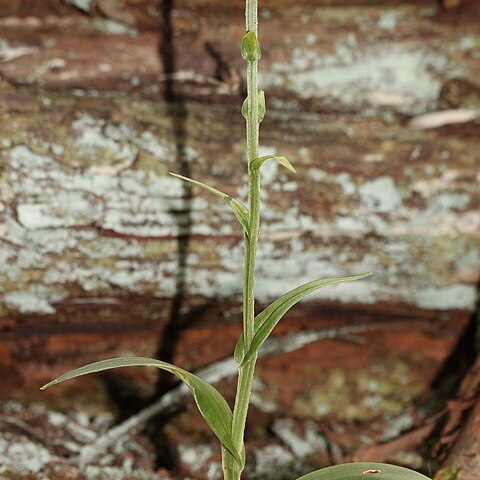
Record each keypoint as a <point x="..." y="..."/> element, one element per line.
<point x="250" y="47"/>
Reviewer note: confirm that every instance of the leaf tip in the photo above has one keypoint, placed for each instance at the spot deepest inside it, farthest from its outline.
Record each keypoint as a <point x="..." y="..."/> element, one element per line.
<point x="361" y="276"/>
<point x="49" y="384"/>
<point x="284" y="161"/>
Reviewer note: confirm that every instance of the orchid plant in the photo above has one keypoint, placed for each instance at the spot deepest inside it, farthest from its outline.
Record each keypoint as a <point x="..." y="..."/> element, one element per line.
<point x="229" y="425"/>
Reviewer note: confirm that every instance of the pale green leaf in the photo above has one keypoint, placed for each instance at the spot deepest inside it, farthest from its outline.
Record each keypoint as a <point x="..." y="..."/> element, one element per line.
<point x="210" y="402"/>
<point x="266" y="320"/>
<point x="364" y="471"/>
<point x="239" y="351"/>
<point x="239" y="209"/>
<point x="258" y="162"/>
<point x="245" y="108"/>
<point x="261" y="106"/>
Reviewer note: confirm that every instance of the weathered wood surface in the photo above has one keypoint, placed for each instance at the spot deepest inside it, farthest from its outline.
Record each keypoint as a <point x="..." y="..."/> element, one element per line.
<point x="91" y="221"/>
<point x="344" y="56"/>
<point x="321" y="403"/>
<point x="88" y="209"/>
<point x="91" y="226"/>
<point x="459" y="437"/>
<point x="465" y="458"/>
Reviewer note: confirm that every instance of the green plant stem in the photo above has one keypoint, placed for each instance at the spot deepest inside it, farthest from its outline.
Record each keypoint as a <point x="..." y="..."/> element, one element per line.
<point x="245" y="376"/>
<point x="231" y="470"/>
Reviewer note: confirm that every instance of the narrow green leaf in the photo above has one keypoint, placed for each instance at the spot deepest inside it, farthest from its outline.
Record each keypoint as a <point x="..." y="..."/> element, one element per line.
<point x="245" y="108"/>
<point x="239" y="209"/>
<point x="239" y="351"/>
<point x="210" y="402"/>
<point x="258" y="162"/>
<point x="261" y="106"/>
<point x="251" y="48"/>
<point x="266" y="320"/>
<point x="364" y="471"/>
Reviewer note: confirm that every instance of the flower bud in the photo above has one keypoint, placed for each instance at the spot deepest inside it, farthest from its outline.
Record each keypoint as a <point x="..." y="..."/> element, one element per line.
<point x="250" y="47"/>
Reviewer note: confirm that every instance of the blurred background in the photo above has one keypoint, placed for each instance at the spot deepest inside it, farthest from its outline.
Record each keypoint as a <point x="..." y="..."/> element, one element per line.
<point x="377" y="105"/>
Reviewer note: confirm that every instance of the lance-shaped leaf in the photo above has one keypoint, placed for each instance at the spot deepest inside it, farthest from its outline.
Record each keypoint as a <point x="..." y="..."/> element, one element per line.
<point x="364" y="471"/>
<point x="266" y="320"/>
<point x="239" y="209"/>
<point x="210" y="402"/>
<point x="258" y="162"/>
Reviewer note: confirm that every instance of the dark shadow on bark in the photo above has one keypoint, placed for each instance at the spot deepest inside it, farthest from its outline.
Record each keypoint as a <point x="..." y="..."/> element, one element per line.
<point x="166" y="455"/>
<point x="129" y="400"/>
<point x="447" y="382"/>
<point x="459" y="361"/>
<point x="178" y="116"/>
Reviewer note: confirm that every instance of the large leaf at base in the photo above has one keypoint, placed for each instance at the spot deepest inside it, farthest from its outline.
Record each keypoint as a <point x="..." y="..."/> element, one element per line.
<point x="210" y="402"/>
<point x="364" y="471"/>
<point x="266" y="321"/>
<point x="239" y="209"/>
